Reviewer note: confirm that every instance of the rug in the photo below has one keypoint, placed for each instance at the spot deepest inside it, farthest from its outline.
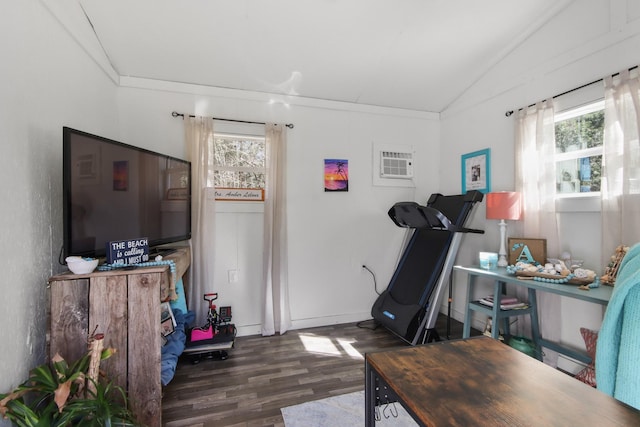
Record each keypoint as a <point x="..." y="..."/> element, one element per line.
<point x="344" y="410"/>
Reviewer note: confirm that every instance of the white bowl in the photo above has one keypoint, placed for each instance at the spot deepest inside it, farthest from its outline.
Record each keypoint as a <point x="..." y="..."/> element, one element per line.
<point x="79" y="265"/>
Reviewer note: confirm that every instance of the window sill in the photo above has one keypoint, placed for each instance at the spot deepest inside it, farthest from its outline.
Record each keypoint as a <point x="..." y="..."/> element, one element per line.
<point x="578" y="203"/>
<point x="239" y="207"/>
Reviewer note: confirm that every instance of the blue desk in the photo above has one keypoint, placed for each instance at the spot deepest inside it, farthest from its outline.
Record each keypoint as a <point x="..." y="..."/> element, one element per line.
<point x="500" y="277"/>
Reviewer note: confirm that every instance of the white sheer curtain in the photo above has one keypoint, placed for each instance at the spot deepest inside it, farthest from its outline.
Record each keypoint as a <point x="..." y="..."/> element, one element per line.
<point x="199" y="137"/>
<point x="620" y="187"/>
<point x="536" y="180"/>
<point x="277" y="316"/>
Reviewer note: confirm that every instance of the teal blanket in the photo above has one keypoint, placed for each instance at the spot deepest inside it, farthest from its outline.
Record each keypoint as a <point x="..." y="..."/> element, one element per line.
<point x="618" y="349"/>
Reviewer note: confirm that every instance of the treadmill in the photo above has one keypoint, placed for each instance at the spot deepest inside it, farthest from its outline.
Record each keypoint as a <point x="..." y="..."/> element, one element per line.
<point x="410" y="304"/>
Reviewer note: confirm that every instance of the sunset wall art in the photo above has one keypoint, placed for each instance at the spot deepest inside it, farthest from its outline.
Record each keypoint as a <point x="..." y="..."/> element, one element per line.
<point x="336" y="175"/>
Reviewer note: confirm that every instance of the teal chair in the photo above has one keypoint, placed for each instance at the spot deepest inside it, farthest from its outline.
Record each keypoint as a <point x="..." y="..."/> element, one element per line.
<point x="618" y="349"/>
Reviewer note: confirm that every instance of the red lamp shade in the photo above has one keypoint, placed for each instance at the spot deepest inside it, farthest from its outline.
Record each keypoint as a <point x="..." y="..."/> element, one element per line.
<point x="504" y="205"/>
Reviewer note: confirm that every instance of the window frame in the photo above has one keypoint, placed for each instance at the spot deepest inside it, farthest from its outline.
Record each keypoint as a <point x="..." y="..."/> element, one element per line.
<point x="578" y="101"/>
<point x="239" y="130"/>
<point x="227" y="135"/>
<point x="573" y="113"/>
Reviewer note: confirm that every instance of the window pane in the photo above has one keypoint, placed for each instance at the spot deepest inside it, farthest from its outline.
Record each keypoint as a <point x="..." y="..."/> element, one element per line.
<point x="236" y="152"/>
<point x="579" y="133"/>
<point x="579" y="137"/>
<point x="580" y="175"/>
<point x="239" y="161"/>
<point x="235" y="179"/>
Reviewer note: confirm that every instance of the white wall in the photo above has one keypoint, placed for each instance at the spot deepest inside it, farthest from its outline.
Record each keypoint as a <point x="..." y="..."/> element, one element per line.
<point x="48" y="82"/>
<point x="331" y="235"/>
<point x="585" y="42"/>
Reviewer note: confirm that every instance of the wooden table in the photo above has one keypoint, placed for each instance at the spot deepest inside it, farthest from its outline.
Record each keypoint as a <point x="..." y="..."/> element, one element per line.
<point x="481" y="382"/>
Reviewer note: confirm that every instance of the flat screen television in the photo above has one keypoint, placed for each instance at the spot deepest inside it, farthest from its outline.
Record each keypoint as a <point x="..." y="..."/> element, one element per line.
<point x="113" y="191"/>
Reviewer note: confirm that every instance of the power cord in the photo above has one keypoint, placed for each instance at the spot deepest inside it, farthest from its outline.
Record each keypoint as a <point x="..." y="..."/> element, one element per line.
<point x="373" y="327"/>
<point x="60" y="260"/>
<point x="375" y="284"/>
<point x="374" y="323"/>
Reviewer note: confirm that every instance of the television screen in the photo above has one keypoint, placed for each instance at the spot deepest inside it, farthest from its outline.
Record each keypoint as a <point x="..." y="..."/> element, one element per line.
<point x="114" y="191"/>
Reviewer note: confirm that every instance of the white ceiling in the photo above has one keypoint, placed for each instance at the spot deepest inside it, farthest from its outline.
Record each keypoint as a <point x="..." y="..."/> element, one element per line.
<point x="413" y="54"/>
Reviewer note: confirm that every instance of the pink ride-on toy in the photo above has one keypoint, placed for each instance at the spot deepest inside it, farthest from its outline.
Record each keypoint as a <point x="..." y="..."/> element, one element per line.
<point x="215" y="336"/>
<point x="209" y="330"/>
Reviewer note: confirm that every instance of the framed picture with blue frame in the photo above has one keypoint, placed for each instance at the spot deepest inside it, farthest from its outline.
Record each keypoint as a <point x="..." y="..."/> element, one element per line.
<point x="476" y="171"/>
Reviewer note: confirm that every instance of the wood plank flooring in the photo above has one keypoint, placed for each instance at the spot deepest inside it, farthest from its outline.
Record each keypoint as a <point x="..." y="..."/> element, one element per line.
<point x="264" y="374"/>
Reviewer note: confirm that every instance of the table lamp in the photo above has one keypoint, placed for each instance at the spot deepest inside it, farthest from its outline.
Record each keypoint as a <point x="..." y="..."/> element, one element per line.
<point x="504" y="205"/>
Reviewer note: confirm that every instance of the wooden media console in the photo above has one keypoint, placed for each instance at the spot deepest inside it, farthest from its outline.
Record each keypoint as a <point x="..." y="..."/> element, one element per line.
<point x="124" y="305"/>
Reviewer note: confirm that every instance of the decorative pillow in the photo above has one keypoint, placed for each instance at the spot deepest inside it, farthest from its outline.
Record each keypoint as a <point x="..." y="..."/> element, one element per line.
<point x="181" y="302"/>
<point x="588" y="374"/>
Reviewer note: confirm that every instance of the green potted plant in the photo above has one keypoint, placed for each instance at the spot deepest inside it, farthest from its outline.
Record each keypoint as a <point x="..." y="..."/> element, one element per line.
<point x="60" y="394"/>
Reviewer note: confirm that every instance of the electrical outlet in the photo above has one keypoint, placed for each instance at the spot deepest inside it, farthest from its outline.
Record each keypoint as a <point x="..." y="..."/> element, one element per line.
<point x="233" y="276"/>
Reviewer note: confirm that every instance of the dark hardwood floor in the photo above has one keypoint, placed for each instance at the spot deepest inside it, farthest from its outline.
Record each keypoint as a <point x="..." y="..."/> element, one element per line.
<point x="264" y="374"/>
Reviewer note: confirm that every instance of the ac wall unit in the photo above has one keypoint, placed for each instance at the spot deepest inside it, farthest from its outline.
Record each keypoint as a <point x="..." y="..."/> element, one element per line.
<point x="396" y="164"/>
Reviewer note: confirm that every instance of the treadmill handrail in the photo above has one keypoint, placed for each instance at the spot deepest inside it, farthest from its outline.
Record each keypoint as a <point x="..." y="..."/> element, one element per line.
<point x="429" y="218"/>
<point x="446" y="223"/>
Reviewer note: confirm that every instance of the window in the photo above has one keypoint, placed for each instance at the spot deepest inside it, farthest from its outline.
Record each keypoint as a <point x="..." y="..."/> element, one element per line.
<point x="579" y="134"/>
<point x="239" y="161"/>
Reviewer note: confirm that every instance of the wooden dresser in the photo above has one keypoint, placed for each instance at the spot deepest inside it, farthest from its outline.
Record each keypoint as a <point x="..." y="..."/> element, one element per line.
<point x="124" y="305"/>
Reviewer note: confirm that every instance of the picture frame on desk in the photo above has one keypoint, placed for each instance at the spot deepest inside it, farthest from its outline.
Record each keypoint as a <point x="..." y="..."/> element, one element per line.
<point x="527" y="250"/>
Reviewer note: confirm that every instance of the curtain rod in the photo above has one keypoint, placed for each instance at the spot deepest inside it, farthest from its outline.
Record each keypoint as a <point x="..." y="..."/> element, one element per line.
<point x="510" y="112"/>
<point x="176" y="114"/>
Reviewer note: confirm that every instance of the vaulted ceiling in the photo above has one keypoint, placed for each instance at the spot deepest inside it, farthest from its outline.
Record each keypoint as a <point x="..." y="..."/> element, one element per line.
<point x="412" y="54"/>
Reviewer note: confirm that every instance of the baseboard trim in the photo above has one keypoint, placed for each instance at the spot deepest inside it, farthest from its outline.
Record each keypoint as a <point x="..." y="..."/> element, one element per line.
<point x="313" y="322"/>
<point x="329" y="320"/>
